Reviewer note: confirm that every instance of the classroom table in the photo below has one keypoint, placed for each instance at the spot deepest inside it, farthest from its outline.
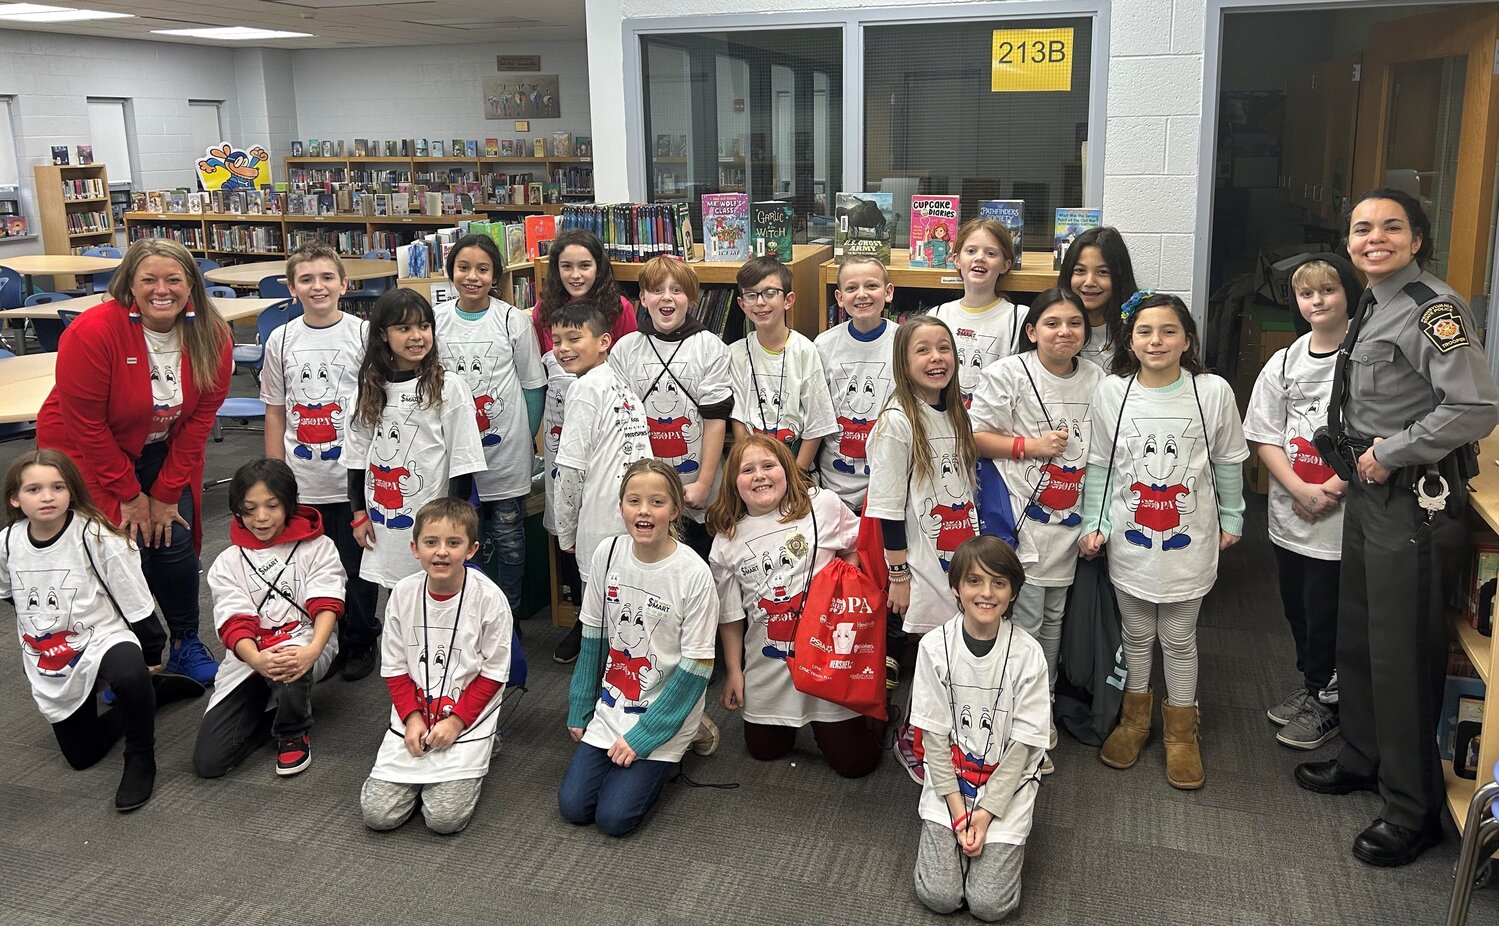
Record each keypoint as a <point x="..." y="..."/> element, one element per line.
<point x="33" y="265"/>
<point x="250" y="275"/>
<point x="232" y="310"/>
<point x="25" y="383"/>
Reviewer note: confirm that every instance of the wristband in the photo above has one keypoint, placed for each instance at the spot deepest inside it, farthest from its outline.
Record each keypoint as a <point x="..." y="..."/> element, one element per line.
<point x="1017" y="448"/>
<point x="363" y="517"/>
<point x="961" y="822"/>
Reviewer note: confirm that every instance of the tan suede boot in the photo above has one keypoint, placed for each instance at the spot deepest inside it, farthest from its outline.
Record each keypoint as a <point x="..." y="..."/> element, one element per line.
<point x="1183" y="758"/>
<point x="1122" y="748"/>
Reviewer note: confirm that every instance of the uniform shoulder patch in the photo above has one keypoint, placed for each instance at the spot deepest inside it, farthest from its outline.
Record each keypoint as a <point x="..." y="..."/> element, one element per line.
<point x="1443" y="327"/>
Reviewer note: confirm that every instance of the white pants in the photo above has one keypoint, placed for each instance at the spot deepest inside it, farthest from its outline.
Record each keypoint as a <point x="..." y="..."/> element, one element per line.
<point x="1141" y="623"/>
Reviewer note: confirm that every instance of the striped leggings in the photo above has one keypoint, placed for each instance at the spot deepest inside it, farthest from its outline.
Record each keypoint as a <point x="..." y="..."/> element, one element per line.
<point x="1141" y="623"/>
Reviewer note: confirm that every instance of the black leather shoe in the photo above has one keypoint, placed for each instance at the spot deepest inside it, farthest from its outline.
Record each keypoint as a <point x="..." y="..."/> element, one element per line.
<point x="1388" y="845"/>
<point x="1329" y="777"/>
<point x="358" y="665"/>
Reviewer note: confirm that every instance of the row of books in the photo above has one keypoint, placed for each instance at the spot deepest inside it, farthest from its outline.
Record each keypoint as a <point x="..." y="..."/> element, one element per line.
<point x="719" y="311"/>
<point x="632" y="232"/>
<point x="260" y="239"/>
<point x="82" y="223"/>
<point x="733" y="229"/>
<point x="348" y="242"/>
<point x="84" y="188"/>
<point x="189" y="236"/>
<point x="558" y="145"/>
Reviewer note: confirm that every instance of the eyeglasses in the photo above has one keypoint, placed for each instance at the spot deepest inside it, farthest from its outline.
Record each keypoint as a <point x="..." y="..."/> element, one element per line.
<point x="768" y="293"/>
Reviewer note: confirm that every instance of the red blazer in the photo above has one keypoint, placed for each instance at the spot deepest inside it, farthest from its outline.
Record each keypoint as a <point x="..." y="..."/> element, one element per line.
<point x="99" y="412"/>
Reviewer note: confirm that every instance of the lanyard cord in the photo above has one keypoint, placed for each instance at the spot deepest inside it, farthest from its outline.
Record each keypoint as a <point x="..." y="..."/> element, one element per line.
<point x="447" y="664"/>
<point x="667" y="371"/>
<point x="952" y="706"/>
<point x="781" y="389"/>
<point x="1041" y="477"/>
<point x="274" y="586"/>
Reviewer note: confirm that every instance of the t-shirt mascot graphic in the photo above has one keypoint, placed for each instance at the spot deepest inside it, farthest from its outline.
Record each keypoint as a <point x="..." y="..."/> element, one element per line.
<point x="1060" y="485"/>
<point x="972" y="348"/>
<point x="672" y="431"/>
<point x="45" y="604"/>
<point x="435" y="705"/>
<point x="1306" y="461"/>
<point x="781" y="561"/>
<point x="951" y="517"/>
<point x="166" y="392"/>
<point x="1164" y="495"/>
<point x="393" y="481"/>
<point x="475" y="361"/>
<point x="632" y="666"/>
<point x="317" y="412"/>
<point x="976" y="741"/>
<point x="273" y="570"/>
<point x="770" y="401"/>
<point x="858" y="408"/>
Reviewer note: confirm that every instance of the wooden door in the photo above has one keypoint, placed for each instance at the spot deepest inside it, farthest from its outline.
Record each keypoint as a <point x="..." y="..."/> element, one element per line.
<point x="1428" y="123"/>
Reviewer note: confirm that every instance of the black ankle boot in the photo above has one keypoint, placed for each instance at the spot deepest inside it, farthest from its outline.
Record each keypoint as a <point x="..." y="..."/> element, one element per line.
<point x="137" y="781"/>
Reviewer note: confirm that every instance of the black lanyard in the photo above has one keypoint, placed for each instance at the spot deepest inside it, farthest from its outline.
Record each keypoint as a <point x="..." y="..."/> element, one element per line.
<point x="274" y="586"/>
<point x="952" y="707"/>
<point x="766" y="426"/>
<point x="447" y="664"/>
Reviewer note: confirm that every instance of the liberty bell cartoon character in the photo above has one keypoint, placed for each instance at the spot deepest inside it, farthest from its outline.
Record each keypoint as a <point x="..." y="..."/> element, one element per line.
<point x="632" y="667"/>
<point x="43" y="602"/>
<point x="474" y="362"/>
<point x="672" y="431"/>
<point x="393" y="482"/>
<point x="858" y="408"/>
<point x="782" y="557"/>
<point x="1059" y="480"/>
<point x="1306" y="460"/>
<point x="317" y="413"/>
<point x="951" y="517"/>
<point x="972" y="349"/>
<point x="1165" y="492"/>
<point x="976" y="743"/>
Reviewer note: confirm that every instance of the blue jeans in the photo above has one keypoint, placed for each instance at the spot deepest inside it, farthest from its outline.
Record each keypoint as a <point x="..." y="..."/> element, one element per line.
<point x="171" y="571"/>
<point x="502" y="546"/>
<point x="595" y="790"/>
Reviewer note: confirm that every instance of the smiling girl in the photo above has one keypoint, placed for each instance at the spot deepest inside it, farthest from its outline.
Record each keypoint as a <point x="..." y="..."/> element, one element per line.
<point x="985" y="324"/>
<point x="1097" y="267"/>
<point x="411" y="438"/>
<point x="1167" y="494"/>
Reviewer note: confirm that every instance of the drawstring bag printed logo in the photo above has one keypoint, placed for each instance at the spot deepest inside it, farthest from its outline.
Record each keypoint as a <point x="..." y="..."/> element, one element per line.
<point x="1443" y="327"/>
<point x="839" y="652"/>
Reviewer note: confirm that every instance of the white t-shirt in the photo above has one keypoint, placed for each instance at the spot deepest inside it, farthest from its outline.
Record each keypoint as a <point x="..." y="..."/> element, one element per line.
<point x="657" y="615"/>
<point x="698" y="376"/>
<point x="1098" y="349"/>
<point x="443" y="646"/>
<point x="409" y="456"/>
<point x="784" y="395"/>
<point x="497" y="356"/>
<point x="64" y="618"/>
<point x="978" y="706"/>
<point x="859" y="379"/>
<point x="559" y="383"/>
<point x="981" y="336"/>
<point x="939" y="511"/>
<point x="164" y="353"/>
<point x="762" y="574"/>
<point x="1009" y="401"/>
<point x="314" y="373"/>
<point x="1163" y="506"/>
<point x="1288" y="404"/>
<point x="605" y="431"/>
<point x="241" y="581"/>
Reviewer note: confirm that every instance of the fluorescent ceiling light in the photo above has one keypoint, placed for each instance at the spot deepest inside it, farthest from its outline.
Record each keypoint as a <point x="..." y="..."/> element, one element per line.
<point x="231" y="33"/>
<point x="35" y="13"/>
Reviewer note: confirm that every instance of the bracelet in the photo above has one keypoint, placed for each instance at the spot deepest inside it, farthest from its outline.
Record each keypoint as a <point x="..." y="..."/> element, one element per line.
<point x="897" y="567"/>
<point x="899" y="578"/>
<point x="961" y="822"/>
<point x="1017" y="448"/>
<point x="360" y="520"/>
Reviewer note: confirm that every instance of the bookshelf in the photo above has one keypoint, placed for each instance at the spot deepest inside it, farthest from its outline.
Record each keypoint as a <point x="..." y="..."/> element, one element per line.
<point x="1484" y="502"/>
<point x="1037" y="276"/>
<point x="231" y="236"/>
<point x="806" y="263"/>
<point x="73" y="203"/>
<point x="514" y="284"/>
<point x="573" y="175"/>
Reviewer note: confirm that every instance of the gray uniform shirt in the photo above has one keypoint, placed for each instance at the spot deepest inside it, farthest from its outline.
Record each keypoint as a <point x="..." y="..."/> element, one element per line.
<point x="1418" y="376"/>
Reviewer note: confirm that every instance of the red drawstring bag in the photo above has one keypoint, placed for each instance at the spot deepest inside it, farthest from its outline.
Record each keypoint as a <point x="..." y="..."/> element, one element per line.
<point x="839" y="653"/>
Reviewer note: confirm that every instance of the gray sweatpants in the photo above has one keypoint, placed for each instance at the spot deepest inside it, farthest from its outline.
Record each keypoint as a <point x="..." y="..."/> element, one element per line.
<point x="992" y="887"/>
<point x="1038" y="611"/>
<point x="446" y="805"/>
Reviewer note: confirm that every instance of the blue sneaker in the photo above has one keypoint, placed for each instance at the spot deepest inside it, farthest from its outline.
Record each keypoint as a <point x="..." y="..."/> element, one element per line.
<point x="1176" y="543"/>
<point x="1137" y="538"/>
<point x="191" y="658"/>
<point x="302" y="452"/>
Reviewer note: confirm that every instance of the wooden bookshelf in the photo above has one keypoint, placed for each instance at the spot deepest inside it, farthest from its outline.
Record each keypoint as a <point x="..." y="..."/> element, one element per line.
<point x="1480" y="650"/>
<point x="482" y="167"/>
<point x="806" y="263"/>
<point x="199" y="226"/>
<point x="55" y="208"/>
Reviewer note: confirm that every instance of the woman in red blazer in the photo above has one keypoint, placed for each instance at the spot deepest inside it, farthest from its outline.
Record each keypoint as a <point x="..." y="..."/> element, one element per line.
<point x="139" y="380"/>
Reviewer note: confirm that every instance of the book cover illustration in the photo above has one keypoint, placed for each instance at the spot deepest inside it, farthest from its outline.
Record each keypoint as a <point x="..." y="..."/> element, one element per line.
<point x="491" y="147"/>
<point x="934" y="227"/>
<point x="1011" y="214"/>
<point x="471" y="148"/>
<point x="770" y="230"/>
<point x="507" y="148"/>
<point x="437" y="148"/>
<point x="540" y="230"/>
<point x="1068" y="225"/>
<point x="865" y="225"/>
<point x="515" y="244"/>
<point x="361" y="147"/>
<point x="539" y="147"/>
<point x="725" y="226"/>
<point x="85" y="154"/>
<point x="421" y="147"/>
<point x="59" y="154"/>
<point x="562" y="144"/>
<point x="296" y="149"/>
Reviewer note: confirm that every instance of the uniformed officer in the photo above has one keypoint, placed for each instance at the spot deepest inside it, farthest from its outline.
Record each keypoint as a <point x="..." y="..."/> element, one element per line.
<point x="1411" y="394"/>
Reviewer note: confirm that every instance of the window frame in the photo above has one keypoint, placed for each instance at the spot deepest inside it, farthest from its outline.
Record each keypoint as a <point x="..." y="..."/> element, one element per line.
<point x="852" y="23"/>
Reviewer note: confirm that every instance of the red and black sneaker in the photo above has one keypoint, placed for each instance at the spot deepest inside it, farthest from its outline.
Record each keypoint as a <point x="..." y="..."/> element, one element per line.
<point x="294" y="754"/>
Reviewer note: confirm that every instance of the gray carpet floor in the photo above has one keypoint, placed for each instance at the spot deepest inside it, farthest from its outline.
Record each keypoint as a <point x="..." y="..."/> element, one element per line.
<point x="790" y="843"/>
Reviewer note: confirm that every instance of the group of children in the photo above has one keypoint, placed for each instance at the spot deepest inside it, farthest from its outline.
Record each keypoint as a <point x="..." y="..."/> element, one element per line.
<point x="383" y="438"/>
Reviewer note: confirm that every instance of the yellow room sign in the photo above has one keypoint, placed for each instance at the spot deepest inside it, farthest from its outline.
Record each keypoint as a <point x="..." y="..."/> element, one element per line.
<point x="1031" y="60"/>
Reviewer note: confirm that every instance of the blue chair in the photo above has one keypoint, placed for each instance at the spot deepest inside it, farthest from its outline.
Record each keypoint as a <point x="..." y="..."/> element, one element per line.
<point x="99" y="282"/>
<point x="1480" y="840"/>
<point x="48" y="330"/>
<point x="223" y="292"/>
<point x="206" y="264"/>
<point x="66" y="316"/>
<point x="244" y="409"/>
<point x="18" y="429"/>
<point x="12" y="295"/>
<point x="274" y="287"/>
<point x="370" y="290"/>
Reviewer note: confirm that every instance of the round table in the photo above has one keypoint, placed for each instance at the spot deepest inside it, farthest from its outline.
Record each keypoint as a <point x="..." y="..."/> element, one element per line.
<point x="250" y="275"/>
<point x="33" y="265"/>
